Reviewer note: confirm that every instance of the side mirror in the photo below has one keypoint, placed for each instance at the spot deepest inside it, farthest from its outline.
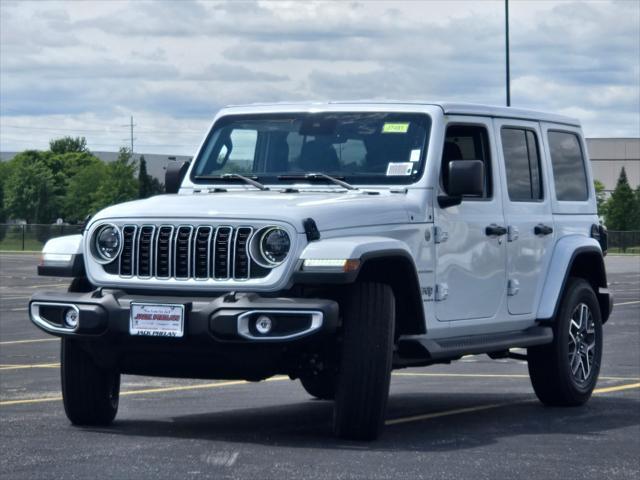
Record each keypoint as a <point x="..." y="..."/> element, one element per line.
<point x="466" y="177"/>
<point x="174" y="176"/>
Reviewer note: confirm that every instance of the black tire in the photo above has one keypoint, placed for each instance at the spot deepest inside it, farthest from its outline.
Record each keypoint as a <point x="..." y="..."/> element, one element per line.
<point x="321" y="385"/>
<point x="365" y="366"/>
<point x="551" y="367"/>
<point x="90" y="393"/>
<point x="81" y="285"/>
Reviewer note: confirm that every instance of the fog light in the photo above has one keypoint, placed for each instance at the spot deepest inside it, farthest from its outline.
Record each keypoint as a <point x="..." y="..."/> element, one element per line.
<point x="71" y="317"/>
<point x="264" y="324"/>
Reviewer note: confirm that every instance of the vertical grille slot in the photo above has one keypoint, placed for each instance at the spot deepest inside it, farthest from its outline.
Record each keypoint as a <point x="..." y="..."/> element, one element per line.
<point x="241" y="260"/>
<point x="222" y="256"/>
<point x="126" y="258"/>
<point x="163" y="252"/>
<point x="182" y="252"/>
<point x="201" y="254"/>
<point x="145" y="251"/>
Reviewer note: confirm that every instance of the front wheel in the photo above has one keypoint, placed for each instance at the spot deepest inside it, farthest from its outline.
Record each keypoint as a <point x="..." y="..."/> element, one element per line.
<point x="365" y="363"/>
<point x="90" y="393"/>
<point x="565" y="372"/>
<point x="321" y="385"/>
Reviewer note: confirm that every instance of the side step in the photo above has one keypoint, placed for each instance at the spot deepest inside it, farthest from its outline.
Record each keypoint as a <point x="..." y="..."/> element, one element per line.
<point x="437" y="350"/>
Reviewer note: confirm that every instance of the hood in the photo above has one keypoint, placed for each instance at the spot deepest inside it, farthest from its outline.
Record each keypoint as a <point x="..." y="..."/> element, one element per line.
<point x="330" y="210"/>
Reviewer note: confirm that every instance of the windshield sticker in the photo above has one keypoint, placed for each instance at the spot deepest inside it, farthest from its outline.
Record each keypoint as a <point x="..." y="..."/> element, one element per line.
<point x="399" y="169"/>
<point x="395" y="128"/>
<point x="415" y="155"/>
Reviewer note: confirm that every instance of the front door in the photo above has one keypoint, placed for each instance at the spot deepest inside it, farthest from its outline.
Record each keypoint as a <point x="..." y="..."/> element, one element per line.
<point x="470" y="244"/>
<point x="527" y="211"/>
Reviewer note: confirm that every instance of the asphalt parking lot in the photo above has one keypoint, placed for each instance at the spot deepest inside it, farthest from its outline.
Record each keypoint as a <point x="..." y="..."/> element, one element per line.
<point x="477" y="418"/>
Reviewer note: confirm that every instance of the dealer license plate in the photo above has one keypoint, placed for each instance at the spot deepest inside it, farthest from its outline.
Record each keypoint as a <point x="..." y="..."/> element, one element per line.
<point x="156" y="320"/>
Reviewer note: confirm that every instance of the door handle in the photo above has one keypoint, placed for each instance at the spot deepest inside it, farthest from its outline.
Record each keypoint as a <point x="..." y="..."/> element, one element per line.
<point x="542" y="229"/>
<point x="495" y="230"/>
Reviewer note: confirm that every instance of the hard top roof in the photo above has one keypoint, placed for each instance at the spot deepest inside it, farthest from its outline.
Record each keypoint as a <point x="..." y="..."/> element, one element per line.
<point x="448" y="108"/>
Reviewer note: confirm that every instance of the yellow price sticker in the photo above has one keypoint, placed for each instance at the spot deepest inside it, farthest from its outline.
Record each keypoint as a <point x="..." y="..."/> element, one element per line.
<point x="395" y="128"/>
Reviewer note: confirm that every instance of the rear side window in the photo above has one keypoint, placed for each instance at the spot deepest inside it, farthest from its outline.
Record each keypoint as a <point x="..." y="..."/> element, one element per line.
<point x="522" y="162"/>
<point x="567" y="160"/>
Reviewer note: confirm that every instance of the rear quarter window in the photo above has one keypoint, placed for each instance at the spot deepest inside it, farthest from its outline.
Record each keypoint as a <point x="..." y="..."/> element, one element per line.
<point x="567" y="160"/>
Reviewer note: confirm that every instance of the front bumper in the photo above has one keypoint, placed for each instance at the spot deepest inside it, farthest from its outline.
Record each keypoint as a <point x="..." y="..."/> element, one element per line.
<point x="218" y="341"/>
<point x="105" y="314"/>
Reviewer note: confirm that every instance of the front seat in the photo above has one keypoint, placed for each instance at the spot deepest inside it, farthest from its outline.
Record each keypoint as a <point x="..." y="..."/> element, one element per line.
<point x="319" y="156"/>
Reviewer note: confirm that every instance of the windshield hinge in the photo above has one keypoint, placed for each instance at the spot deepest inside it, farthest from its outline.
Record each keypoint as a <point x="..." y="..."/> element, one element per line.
<point x="439" y="235"/>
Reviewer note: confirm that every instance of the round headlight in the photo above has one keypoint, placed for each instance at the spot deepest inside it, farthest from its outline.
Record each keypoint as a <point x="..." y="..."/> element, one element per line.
<point x="274" y="246"/>
<point x="107" y="243"/>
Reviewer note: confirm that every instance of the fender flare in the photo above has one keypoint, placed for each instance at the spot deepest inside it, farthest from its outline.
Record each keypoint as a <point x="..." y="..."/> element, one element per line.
<point x="62" y="257"/>
<point x="379" y="257"/>
<point x="566" y="252"/>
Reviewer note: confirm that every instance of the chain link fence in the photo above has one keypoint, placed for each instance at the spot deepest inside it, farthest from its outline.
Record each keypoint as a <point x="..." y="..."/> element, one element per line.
<point x="33" y="237"/>
<point x="624" y="242"/>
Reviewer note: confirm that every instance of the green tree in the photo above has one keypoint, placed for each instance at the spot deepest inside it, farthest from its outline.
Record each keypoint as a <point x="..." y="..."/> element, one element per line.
<point x="4" y="173"/>
<point x="30" y="189"/>
<point x="635" y="212"/>
<point x="148" y="186"/>
<point x="620" y="205"/>
<point x="144" y="179"/>
<point x="601" y="198"/>
<point x="81" y="193"/>
<point x="119" y="183"/>
<point x="68" y="145"/>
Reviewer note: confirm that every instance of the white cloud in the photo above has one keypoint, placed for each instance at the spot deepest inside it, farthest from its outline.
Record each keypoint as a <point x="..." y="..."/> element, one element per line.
<point x="69" y="65"/>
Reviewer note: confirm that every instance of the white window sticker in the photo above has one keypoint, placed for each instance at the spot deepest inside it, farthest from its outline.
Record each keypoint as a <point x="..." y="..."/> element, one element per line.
<point x="415" y="155"/>
<point x="399" y="169"/>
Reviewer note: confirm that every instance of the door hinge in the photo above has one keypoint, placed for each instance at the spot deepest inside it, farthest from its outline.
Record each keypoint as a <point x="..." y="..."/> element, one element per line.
<point x="439" y="235"/>
<point x="442" y="292"/>
<point x="512" y="233"/>
<point x="513" y="287"/>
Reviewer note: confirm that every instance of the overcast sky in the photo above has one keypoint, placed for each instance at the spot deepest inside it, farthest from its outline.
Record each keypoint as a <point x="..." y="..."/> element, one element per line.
<point x="82" y="68"/>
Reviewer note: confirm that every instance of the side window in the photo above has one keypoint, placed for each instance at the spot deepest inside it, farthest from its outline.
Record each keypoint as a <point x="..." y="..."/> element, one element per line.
<point x="467" y="142"/>
<point x="522" y="163"/>
<point x="569" y="175"/>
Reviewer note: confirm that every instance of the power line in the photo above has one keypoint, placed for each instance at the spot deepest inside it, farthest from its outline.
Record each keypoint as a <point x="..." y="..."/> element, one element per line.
<point x="83" y="130"/>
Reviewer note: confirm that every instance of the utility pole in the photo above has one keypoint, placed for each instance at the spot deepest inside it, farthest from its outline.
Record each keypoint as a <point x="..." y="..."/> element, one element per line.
<point x="506" y="28"/>
<point x="131" y="124"/>
<point x="131" y="137"/>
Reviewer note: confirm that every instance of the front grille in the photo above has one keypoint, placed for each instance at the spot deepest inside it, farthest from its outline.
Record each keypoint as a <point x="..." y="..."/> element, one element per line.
<point x="202" y="252"/>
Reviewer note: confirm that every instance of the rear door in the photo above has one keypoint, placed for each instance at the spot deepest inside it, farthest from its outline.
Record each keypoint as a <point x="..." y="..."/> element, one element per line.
<point x="527" y="210"/>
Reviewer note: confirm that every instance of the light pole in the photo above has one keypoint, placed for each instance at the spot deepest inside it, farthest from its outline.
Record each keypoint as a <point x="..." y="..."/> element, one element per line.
<point x="506" y="29"/>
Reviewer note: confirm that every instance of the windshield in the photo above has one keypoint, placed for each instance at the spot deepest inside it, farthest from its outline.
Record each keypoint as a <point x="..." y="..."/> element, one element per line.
<point x="362" y="147"/>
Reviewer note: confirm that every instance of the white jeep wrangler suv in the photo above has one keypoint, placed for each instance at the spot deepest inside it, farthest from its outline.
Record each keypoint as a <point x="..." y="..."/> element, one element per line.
<point x="333" y="243"/>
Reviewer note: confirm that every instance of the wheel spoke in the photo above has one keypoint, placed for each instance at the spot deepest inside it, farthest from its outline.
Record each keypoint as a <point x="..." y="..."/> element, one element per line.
<point x="586" y="368"/>
<point x="584" y="316"/>
<point x="574" y="325"/>
<point x="575" y="365"/>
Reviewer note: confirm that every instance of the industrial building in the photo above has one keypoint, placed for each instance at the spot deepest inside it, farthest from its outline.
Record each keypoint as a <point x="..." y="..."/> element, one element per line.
<point x="608" y="156"/>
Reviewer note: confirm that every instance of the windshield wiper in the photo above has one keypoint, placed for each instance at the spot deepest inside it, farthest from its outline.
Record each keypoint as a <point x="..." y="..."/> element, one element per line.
<point x="318" y="176"/>
<point x="233" y="176"/>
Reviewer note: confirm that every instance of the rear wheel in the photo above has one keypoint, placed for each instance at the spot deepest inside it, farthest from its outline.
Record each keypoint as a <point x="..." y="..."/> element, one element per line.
<point x="365" y="368"/>
<point x="565" y="372"/>
<point x="90" y="393"/>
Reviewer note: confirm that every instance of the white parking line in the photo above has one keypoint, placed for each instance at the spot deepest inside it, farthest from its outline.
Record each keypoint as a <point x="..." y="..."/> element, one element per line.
<point x="626" y="303"/>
